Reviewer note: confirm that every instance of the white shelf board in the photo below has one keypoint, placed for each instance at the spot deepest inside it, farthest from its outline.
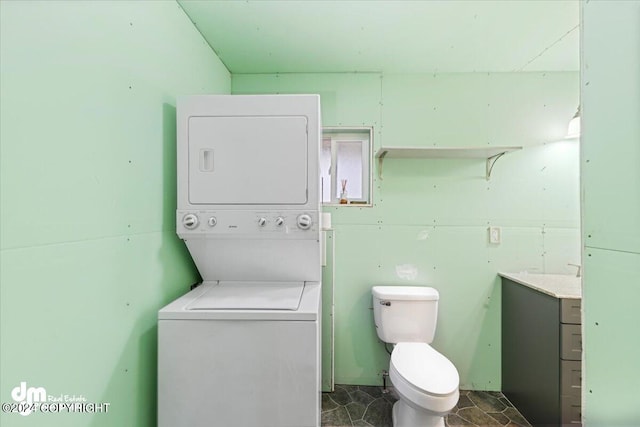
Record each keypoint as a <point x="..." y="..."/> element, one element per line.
<point x="490" y="154"/>
<point x="442" y="152"/>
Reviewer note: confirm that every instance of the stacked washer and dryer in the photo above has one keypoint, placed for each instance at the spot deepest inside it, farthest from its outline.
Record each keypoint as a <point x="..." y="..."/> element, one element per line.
<point x="243" y="349"/>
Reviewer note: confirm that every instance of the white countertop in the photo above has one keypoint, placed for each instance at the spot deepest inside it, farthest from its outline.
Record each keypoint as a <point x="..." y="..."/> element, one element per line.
<point x="556" y="285"/>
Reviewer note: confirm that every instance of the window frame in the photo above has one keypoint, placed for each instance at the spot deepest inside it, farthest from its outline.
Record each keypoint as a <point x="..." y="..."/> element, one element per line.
<point x="350" y="133"/>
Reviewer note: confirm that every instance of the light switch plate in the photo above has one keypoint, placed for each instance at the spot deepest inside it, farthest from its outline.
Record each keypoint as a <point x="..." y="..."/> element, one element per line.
<point x="495" y="235"/>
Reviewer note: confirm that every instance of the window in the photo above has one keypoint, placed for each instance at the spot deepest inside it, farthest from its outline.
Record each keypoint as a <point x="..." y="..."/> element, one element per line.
<point x="345" y="163"/>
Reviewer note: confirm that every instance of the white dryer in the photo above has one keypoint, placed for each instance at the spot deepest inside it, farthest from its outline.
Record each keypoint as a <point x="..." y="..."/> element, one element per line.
<point x="243" y="349"/>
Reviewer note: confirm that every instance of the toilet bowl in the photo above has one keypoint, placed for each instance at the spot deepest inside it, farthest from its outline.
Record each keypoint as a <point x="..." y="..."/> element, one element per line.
<point x="426" y="383"/>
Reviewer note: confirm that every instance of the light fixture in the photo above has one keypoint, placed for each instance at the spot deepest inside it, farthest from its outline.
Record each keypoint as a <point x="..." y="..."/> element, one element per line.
<point x="574" y="126"/>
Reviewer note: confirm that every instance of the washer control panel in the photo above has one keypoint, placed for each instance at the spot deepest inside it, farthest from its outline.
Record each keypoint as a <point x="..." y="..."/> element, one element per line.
<point x="297" y="224"/>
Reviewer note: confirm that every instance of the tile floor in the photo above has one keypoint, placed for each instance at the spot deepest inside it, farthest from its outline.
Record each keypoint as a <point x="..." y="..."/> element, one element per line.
<point x="368" y="406"/>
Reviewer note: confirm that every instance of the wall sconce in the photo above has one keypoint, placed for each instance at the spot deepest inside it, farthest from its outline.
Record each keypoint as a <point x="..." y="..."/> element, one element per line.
<point x="574" y="126"/>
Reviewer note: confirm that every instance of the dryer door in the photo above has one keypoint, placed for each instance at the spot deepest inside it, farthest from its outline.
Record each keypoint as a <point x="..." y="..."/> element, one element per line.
<point x="252" y="160"/>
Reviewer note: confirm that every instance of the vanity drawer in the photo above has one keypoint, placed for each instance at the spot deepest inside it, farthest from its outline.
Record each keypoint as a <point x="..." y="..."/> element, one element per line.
<point x="571" y="378"/>
<point x="570" y="311"/>
<point x="570" y="342"/>
<point x="571" y="410"/>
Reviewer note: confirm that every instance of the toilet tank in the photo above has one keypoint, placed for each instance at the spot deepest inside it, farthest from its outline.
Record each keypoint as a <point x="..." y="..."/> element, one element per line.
<point x="405" y="313"/>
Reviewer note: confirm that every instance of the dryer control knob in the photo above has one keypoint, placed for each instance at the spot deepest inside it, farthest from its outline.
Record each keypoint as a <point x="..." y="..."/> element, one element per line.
<point x="190" y="221"/>
<point x="279" y="221"/>
<point x="213" y="221"/>
<point x="304" y="221"/>
<point x="262" y="222"/>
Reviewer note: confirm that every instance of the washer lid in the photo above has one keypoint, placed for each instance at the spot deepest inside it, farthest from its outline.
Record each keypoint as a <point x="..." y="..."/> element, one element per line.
<point x="425" y="368"/>
<point x="250" y="296"/>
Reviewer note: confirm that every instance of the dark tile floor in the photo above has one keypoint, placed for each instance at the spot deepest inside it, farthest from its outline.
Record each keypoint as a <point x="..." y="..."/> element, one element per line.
<point x="368" y="406"/>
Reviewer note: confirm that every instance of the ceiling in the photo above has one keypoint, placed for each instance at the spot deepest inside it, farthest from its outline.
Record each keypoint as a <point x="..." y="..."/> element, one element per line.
<point x="267" y="36"/>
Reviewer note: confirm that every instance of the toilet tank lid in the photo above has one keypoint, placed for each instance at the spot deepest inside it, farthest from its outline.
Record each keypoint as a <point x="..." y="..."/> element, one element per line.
<point x="422" y="293"/>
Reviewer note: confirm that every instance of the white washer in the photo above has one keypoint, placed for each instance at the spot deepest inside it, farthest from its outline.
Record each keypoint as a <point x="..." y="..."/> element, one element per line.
<point x="242" y="366"/>
<point x="243" y="349"/>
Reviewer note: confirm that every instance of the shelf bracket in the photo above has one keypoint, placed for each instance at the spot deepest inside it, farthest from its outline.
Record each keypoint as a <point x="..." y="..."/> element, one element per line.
<point x="380" y="159"/>
<point x="491" y="161"/>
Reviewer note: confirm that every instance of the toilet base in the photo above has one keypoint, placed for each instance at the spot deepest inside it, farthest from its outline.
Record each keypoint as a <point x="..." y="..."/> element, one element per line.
<point x="404" y="415"/>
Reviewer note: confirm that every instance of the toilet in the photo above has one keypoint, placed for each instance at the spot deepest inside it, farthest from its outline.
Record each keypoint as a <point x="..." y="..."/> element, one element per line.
<point x="426" y="381"/>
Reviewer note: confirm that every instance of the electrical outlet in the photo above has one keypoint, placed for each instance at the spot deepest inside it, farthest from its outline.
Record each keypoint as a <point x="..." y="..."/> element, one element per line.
<point x="495" y="235"/>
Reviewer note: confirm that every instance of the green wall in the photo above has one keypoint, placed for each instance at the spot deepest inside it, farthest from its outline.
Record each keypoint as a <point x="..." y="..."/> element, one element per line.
<point x="88" y="245"/>
<point x="432" y="215"/>
<point x="610" y="158"/>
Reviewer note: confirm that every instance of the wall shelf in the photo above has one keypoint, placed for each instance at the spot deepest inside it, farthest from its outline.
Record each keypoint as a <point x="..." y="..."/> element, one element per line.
<point x="490" y="154"/>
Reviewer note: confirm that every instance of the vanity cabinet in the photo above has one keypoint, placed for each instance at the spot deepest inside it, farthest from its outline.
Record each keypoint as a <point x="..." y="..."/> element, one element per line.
<point x="570" y="361"/>
<point x="541" y="354"/>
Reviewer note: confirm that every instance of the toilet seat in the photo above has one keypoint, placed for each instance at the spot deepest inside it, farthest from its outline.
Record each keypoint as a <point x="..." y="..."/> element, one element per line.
<point x="424" y="377"/>
<point x="425" y="368"/>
